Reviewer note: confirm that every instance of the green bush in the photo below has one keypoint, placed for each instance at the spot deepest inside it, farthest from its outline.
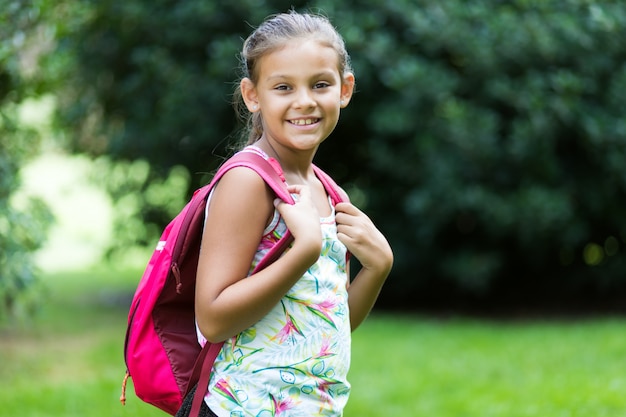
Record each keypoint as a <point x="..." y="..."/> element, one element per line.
<point x="486" y="138"/>
<point x="23" y="221"/>
<point x="512" y="140"/>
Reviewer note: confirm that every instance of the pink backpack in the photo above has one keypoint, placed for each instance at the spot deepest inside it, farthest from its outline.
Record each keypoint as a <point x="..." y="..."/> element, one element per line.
<point x="161" y="349"/>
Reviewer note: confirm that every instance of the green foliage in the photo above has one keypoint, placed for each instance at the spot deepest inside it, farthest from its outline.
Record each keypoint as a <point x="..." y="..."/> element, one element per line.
<point x="23" y="222"/>
<point x="513" y="142"/>
<point x="157" y="76"/>
<point x="138" y="202"/>
<point x="486" y="139"/>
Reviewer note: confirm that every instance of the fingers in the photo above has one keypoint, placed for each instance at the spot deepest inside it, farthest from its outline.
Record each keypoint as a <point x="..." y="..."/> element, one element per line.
<point x="301" y="217"/>
<point x="298" y="193"/>
<point x="355" y="229"/>
<point x="348" y="208"/>
<point x="348" y="215"/>
<point x="362" y="238"/>
<point x="352" y="224"/>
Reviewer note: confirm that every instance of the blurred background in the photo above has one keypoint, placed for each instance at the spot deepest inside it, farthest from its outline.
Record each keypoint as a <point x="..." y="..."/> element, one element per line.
<point x="486" y="139"/>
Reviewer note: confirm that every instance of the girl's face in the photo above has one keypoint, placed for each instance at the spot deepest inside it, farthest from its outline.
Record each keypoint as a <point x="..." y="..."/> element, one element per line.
<point x="299" y="94"/>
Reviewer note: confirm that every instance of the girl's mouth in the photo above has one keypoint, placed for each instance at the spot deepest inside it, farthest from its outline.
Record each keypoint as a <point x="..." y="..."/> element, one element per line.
<point x="304" y="122"/>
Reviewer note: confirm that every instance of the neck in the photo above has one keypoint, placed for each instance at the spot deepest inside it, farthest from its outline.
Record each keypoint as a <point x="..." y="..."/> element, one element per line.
<point x="296" y="165"/>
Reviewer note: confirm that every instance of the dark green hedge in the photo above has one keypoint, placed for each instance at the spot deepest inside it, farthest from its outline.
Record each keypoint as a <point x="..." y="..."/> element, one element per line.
<point x="487" y="138"/>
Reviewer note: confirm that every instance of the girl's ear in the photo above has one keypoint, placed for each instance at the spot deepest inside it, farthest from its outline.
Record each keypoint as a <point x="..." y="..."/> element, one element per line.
<point x="347" y="88"/>
<point x="249" y="95"/>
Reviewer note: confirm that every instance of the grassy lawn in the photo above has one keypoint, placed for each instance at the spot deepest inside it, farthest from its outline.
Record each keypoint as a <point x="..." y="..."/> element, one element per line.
<point x="69" y="362"/>
<point x="460" y="367"/>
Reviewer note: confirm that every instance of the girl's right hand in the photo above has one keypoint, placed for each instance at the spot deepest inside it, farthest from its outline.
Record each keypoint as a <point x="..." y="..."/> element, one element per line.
<point x="302" y="220"/>
<point x="226" y="301"/>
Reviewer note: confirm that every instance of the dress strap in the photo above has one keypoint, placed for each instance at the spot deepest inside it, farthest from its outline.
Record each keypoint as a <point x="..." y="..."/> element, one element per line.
<point x="256" y="150"/>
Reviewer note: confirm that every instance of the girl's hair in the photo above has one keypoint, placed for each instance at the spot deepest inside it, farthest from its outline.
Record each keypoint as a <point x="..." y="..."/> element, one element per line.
<point x="274" y="33"/>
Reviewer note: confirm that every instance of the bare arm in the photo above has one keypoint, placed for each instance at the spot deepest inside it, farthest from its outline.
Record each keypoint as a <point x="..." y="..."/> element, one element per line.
<point x="370" y="247"/>
<point x="240" y="207"/>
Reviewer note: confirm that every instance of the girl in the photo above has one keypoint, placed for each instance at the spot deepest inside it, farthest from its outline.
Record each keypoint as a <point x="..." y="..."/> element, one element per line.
<point x="287" y="328"/>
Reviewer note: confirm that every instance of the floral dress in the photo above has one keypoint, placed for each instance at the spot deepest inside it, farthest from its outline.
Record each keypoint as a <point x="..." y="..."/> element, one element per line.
<point x="293" y="362"/>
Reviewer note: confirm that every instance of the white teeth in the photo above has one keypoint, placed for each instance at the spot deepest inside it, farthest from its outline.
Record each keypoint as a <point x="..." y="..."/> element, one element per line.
<point x="303" y="122"/>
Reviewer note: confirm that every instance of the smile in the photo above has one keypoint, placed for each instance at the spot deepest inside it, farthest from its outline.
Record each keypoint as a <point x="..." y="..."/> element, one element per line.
<point x="303" y="122"/>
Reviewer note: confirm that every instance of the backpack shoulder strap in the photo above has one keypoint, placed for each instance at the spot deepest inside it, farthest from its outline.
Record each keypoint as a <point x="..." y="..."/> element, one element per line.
<point x="336" y="193"/>
<point x="272" y="175"/>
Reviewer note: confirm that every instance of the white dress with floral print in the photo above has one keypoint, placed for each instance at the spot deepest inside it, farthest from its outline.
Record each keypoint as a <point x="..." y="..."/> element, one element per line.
<point x="293" y="362"/>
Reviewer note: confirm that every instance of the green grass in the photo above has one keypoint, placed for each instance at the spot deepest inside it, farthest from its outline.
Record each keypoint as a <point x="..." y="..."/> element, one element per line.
<point x="68" y="361"/>
<point x="461" y="367"/>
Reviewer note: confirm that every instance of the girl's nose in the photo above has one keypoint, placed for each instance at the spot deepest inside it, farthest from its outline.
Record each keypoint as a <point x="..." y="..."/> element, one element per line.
<point x="304" y="99"/>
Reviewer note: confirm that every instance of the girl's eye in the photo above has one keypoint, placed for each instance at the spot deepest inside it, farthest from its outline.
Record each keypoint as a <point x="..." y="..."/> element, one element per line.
<point x="282" y="87"/>
<point x="321" y="84"/>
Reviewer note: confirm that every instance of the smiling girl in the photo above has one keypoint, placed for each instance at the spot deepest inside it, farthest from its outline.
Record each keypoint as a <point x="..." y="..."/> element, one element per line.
<point x="287" y="327"/>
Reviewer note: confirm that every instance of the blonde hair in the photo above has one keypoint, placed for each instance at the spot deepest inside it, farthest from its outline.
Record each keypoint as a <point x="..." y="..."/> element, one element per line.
<point x="273" y="34"/>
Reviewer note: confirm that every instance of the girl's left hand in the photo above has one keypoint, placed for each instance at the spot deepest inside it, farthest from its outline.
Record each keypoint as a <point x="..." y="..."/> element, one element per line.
<point x="363" y="239"/>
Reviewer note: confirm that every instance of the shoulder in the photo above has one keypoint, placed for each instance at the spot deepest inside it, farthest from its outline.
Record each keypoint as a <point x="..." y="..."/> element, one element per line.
<point x="240" y="199"/>
<point x="242" y="183"/>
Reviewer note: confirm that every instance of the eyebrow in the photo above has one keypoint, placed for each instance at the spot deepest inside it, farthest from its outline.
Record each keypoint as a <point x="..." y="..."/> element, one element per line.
<point x="284" y="76"/>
